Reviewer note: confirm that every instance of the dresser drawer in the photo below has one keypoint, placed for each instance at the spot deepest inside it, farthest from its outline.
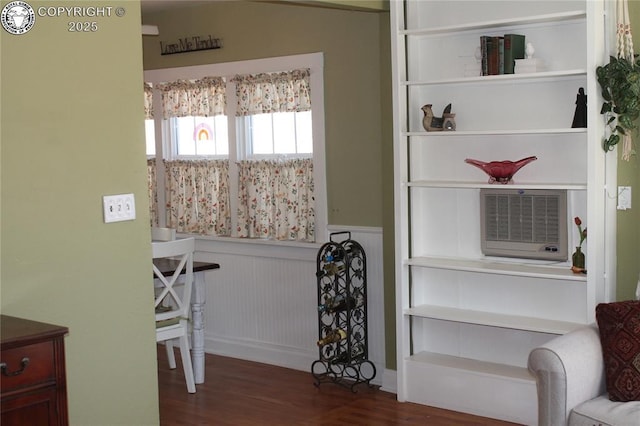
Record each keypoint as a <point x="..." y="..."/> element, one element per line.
<point x="27" y="366"/>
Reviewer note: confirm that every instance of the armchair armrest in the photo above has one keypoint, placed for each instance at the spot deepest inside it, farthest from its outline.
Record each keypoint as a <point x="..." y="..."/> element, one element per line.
<point x="569" y="370"/>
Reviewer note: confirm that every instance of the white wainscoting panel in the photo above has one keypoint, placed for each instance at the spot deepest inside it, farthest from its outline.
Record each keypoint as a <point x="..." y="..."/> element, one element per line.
<point x="261" y="305"/>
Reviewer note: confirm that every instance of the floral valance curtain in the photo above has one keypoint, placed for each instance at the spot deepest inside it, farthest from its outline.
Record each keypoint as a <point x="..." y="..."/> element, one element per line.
<point x="202" y="98"/>
<point x="197" y="196"/>
<point x="148" y="101"/>
<point x="273" y="92"/>
<point x="275" y="200"/>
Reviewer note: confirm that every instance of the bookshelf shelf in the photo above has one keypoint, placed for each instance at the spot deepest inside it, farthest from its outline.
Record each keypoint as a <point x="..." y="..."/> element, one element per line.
<point x="491" y="319"/>
<point x="504" y="78"/>
<point x="480" y="185"/>
<point x="492" y="24"/>
<point x="472" y="365"/>
<point x="495" y="132"/>
<point x="484" y="266"/>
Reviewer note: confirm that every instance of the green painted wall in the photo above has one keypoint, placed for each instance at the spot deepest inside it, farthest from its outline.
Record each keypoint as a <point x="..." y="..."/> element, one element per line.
<point x="355" y="4"/>
<point x="72" y="131"/>
<point x="388" y="221"/>
<point x="628" y="237"/>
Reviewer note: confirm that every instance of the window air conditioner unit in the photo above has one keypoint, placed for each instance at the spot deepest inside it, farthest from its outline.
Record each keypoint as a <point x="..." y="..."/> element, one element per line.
<point x="529" y="224"/>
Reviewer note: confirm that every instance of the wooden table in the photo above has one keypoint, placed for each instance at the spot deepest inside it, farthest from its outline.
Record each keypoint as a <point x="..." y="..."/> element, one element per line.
<point x="198" y="298"/>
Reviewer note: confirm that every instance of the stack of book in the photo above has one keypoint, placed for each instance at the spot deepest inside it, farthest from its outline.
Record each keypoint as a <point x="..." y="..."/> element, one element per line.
<point x="500" y="52"/>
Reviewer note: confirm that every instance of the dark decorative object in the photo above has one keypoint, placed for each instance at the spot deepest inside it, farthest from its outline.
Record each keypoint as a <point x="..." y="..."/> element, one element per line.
<point x="577" y="259"/>
<point x="342" y="315"/>
<point x="620" y="83"/>
<point x="190" y="44"/>
<point x="580" y="116"/>
<point x="620" y="339"/>
<point x="501" y="171"/>
<point x="437" y="124"/>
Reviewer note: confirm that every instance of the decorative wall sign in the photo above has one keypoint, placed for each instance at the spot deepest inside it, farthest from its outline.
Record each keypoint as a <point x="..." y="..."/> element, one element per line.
<point x="190" y="44"/>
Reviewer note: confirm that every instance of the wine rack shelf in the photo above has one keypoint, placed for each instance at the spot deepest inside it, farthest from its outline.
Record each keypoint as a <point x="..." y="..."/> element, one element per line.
<point x="342" y="315"/>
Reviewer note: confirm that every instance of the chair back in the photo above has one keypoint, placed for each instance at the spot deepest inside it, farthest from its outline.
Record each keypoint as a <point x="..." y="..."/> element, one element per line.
<point x="174" y="300"/>
<point x="163" y="234"/>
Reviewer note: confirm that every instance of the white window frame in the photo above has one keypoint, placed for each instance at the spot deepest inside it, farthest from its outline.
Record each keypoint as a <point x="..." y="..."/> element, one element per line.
<point x="244" y="129"/>
<point x="313" y="61"/>
<point x="173" y="146"/>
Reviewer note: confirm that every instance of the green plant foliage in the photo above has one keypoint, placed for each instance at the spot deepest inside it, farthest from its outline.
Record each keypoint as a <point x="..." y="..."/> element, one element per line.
<point x="620" y="83"/>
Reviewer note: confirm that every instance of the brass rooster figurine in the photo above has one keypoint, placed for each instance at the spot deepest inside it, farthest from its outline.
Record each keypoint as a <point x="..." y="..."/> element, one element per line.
<point x="437" y="124"/>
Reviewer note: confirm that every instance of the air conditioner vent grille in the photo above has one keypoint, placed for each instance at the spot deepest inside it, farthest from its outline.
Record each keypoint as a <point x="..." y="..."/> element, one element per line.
<point x="528" y="224"/>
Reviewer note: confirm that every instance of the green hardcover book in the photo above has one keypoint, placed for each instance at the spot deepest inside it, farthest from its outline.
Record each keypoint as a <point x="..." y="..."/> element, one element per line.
<point x="513" y="49"/>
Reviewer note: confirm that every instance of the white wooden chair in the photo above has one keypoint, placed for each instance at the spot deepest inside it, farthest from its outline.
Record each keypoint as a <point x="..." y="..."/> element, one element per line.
<point x="163" y="234"/>
<point x="173" y="304"/>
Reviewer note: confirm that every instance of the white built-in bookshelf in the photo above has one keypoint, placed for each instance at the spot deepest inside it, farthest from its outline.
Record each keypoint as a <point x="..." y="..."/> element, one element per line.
<point x="467" y="322"/>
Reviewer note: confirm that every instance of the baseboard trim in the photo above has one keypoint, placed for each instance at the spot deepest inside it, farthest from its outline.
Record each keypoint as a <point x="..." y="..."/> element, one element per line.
<point x="266" y="353"/>
<point x="389" y="381"/>
<point x="281" y="356"/>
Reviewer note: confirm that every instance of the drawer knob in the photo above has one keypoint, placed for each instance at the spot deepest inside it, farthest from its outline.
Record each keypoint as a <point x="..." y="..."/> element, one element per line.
<point x="23" y="366"/>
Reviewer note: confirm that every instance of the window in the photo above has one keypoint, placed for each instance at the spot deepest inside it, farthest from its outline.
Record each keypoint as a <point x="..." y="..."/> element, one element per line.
<point x="279" y="134"/>
<point x="149" y="132"/>
<point x="241" y="151"/>
<point x="199" y="137"/>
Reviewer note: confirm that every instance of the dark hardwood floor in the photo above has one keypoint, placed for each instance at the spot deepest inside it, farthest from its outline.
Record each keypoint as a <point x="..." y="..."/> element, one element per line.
<point x="238" y="392"/>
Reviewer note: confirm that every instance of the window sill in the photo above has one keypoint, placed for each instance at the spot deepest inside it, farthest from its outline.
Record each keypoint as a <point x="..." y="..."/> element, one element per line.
<point x="256" y="247"/>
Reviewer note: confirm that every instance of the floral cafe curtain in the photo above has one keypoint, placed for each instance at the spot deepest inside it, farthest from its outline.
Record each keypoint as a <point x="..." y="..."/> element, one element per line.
<point x="276" y="200"/>
<point x="196" y="191"/>
<point x="624" y="49"/>
<point x="198" y="196"/>
<point x="273" y="92"/>
<point x="199" y="98"/>
<point x="148" y="101"/>
<point x="153" y="191"/>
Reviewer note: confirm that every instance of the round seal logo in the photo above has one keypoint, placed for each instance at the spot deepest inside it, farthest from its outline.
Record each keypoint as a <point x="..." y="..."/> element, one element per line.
<point x="17" y="17"/>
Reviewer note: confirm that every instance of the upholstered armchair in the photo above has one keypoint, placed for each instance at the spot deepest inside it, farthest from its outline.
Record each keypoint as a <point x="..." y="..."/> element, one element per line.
<point x="572" y="384"/>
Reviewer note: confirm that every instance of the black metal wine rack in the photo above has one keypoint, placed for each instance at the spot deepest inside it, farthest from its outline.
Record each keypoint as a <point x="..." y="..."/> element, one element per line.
<point x="342" y="315"/>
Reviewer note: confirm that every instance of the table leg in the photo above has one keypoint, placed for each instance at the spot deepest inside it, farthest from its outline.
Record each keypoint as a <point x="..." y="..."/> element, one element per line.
<point x="197" y="338"/>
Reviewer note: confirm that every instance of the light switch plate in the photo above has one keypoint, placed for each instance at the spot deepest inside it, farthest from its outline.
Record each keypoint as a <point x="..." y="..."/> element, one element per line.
<point x="118" y="208"/>
<point x="624" y="197"/>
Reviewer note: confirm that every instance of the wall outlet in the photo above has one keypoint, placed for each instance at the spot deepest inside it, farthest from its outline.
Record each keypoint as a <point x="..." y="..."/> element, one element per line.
<point x="118" y="208"/>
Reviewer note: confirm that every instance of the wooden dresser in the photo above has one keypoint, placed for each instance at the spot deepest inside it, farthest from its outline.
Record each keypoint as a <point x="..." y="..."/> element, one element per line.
<point x="32" y="376"/>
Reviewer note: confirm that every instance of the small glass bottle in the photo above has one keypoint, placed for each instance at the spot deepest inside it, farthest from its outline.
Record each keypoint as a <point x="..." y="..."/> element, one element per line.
<point x="577" y="259"/>
<point x="333" y="336"/>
